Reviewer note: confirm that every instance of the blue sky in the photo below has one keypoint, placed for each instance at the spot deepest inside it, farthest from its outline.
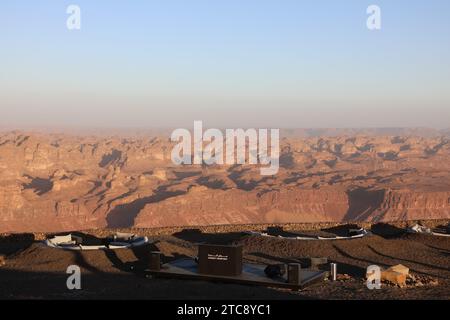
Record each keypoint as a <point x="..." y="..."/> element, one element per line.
<point x="229" y="63"/>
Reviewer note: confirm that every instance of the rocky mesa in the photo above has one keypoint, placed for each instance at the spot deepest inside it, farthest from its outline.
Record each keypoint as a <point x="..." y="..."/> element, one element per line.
<point x="58" y="182"/>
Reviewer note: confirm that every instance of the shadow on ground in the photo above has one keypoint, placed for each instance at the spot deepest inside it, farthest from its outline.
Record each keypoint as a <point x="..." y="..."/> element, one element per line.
<point x="197" y="236"/>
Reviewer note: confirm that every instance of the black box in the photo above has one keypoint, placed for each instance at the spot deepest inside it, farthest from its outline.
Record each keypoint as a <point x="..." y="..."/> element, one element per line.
<point x="220" y="260"/>
<point x="294" y="273"/>
<point x="155" y="261"/>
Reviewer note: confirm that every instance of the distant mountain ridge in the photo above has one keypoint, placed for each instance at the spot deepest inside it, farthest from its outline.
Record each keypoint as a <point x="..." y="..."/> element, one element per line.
<point x="333" y="132"/>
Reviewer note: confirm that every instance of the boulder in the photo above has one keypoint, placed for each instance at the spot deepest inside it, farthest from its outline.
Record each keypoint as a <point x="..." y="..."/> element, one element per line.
<point x="400" y="269"/>
<point x="394" y="277"/>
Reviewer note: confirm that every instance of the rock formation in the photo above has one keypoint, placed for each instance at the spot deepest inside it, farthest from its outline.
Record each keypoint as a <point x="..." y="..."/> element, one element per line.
<point x="56" y="182"/>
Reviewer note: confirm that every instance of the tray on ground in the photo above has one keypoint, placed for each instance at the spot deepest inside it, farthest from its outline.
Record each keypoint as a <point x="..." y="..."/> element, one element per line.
<point x="252" y="274"/>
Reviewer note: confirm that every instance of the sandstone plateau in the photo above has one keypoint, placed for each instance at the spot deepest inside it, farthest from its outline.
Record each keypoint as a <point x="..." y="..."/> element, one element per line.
<point x="59" y="182"/>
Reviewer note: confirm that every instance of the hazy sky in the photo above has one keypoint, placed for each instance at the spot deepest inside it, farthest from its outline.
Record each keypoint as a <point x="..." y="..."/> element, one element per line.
<point x="230" y="63"/>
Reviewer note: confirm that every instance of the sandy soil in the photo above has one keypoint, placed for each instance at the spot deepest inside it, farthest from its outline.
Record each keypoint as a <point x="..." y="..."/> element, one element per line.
<point x="36" y="272"/>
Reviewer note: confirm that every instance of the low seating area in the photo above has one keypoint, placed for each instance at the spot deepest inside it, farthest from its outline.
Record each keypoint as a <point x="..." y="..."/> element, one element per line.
<point x="440" y="232"/>
<point x="76" y="242"/>
<point x="352" y="234"/>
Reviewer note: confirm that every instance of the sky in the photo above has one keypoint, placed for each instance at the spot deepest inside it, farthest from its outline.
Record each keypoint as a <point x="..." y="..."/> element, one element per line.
<point x="229" y="63"/>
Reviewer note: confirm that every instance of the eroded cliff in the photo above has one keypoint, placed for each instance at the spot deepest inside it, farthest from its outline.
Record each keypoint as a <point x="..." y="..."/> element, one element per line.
<point x="53" y="182"/>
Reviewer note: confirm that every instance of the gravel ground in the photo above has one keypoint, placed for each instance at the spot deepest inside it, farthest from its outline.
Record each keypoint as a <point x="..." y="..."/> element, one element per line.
<point x="32" y="271"/>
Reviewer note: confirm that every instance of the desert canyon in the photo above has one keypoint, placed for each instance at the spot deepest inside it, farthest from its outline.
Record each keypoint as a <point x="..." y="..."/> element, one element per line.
<point x="59" y="182"/>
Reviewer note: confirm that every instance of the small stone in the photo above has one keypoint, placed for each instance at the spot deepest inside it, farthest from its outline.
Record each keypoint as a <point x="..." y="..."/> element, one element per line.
<point x="343" y="277"/>
<point x="2" y="260"/>
<point x="434" y="282"/>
